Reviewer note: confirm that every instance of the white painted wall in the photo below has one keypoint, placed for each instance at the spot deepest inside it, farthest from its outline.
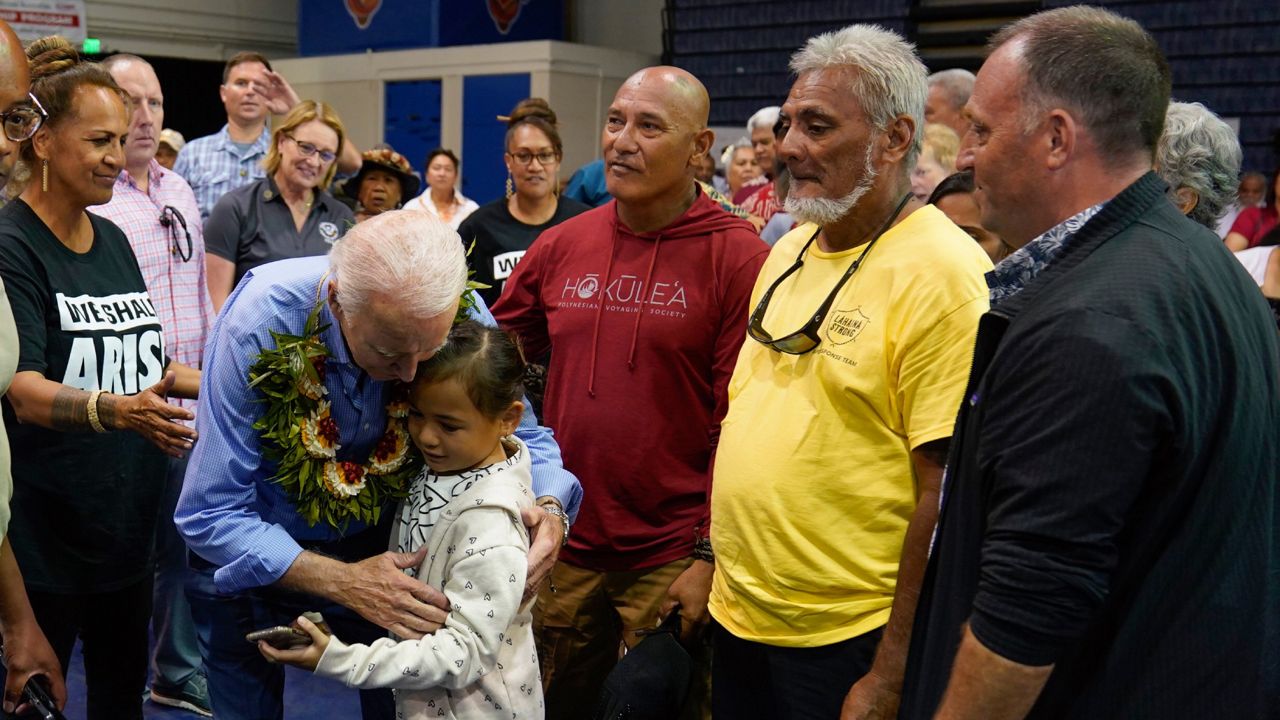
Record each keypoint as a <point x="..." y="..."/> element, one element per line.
<point x="634" y="25"/>
<point x="196" y="29"/>
<point x="577" y="80"/>
<point x="217" y="29"/>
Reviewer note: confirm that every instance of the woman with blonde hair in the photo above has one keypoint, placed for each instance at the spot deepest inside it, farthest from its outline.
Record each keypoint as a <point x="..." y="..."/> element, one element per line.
<point x="286" y="214"/>
<point x="937" y="160"/>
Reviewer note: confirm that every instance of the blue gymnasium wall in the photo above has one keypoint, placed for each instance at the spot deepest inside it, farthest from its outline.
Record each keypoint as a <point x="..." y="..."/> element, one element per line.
<point x="484" y="98"/>
<point x="740" y="48"/>
<point x="412" y="120"/>
<point x="1225" y="54"/>
<point x="334" y="27"/>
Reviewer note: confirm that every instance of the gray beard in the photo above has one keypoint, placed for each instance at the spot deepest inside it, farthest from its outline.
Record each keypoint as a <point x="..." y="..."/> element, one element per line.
<point x="825" y="211"/>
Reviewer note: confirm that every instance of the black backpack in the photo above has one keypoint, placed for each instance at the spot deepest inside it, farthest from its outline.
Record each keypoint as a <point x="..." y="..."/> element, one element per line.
<point x="651" y="681"/>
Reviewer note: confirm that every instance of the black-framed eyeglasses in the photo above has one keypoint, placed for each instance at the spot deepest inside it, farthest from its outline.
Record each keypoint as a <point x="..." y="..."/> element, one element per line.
<point x="807" y="338"/>
<point x="173" y="221"/>
<point x="309" y="150"/>
<point x="524" y="157"/>
<point x="22" y="122"/>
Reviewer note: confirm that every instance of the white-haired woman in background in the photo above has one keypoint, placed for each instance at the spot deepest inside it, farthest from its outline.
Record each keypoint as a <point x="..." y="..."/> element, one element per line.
<point x="1199" y="156"/>
<point x="740" y="166"/>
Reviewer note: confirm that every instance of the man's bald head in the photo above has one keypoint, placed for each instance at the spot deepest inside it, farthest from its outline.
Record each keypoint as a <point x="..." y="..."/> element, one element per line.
<point x="15" y="82"/>
<point x="14" y="71"/>
<point x="655" y="136"/>
<point x="685" y="94"/>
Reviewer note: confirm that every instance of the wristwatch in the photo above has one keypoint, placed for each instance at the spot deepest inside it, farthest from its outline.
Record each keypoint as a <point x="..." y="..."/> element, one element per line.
<point x="554" y="509"/>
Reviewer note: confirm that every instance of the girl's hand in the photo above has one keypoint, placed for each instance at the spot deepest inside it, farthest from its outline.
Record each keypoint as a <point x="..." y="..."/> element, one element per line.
<point x="307" y="657"/>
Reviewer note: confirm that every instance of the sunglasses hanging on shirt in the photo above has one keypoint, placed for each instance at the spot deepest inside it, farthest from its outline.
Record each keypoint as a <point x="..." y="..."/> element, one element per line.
<point x="173" y="221"/>
<point x="807" y="338"/>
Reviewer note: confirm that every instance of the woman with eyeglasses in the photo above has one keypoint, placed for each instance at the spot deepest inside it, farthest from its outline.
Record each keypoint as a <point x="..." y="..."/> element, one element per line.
<point x="288" y="213"/>
<point x="86" y="415"/>
<point x="504" y="229"/>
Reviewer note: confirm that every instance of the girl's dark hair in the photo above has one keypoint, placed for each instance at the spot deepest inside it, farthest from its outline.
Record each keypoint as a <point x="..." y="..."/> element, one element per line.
<point x="56" y="71"/>
<point x="956" y="183"/>
<point x="438" y="152"/>
<point x="536" y="113"/>
<point x="486" y="360"/>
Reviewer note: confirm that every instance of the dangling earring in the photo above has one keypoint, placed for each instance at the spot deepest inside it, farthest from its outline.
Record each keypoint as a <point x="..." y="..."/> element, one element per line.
<point x="511" y="187"/>
<point x="44" y="175"/>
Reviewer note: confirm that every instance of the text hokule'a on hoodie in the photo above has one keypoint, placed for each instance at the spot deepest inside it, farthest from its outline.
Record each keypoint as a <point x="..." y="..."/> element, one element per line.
<point x="644" y="331"/>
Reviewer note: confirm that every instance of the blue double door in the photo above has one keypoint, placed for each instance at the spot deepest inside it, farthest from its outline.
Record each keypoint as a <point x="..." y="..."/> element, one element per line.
<point x="413" y="112"/>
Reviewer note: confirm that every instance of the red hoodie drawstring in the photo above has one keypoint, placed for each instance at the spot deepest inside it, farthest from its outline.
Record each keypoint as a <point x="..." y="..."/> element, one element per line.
<point x="648" y="276"/>
<point x="595" y="330"/>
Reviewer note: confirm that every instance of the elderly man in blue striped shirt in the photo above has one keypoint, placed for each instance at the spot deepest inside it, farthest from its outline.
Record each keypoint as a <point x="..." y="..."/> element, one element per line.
<point x="388" y="293"/>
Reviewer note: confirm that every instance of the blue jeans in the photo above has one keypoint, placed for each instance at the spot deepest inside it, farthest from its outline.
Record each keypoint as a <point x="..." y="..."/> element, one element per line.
<point x="242" y="684"/>
<point x="176" y="655"/>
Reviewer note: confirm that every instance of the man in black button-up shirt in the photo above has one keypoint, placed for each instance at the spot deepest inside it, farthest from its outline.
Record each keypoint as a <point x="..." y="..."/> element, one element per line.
<point x="1108" y="543"/>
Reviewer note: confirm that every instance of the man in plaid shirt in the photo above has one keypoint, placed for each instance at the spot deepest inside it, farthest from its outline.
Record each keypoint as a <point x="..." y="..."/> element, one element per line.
<point x="216" y="164"/>
<point x="157" y="211"/>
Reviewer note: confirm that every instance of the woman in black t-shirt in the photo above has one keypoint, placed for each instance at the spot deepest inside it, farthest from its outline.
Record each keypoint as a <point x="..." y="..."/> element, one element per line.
<point x="504" y="229"/>
<point x="91" y="358"/>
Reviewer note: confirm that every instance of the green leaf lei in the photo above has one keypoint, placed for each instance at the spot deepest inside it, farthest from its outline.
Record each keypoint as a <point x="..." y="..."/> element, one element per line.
<point x="299" y="435"/>
<point x="468" y="298"/>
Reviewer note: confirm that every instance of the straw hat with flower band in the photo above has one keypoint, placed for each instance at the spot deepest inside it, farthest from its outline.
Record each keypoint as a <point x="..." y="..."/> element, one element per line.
<point x="387" y="160"/>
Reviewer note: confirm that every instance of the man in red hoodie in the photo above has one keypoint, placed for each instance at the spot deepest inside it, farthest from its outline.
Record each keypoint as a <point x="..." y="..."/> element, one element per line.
<point x="643" y="305"/>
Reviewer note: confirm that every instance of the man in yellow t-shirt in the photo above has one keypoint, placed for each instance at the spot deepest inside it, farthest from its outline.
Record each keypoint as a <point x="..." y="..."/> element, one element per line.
<point x="841" y="406"/>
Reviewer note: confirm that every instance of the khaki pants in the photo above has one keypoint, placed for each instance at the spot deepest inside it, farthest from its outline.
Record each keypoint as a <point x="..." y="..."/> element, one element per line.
<point x="583" y="627"/>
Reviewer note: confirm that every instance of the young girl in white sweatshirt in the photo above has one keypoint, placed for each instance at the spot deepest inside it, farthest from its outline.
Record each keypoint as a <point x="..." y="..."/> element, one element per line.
<point x="465" y="506"/>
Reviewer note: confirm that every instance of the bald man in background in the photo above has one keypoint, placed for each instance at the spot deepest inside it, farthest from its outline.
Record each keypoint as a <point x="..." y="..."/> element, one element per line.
<point x="27" y="651"/>
<point x="643" y="305"/>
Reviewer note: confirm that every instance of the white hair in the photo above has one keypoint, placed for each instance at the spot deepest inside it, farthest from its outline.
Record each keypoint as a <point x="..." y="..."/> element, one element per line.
<point x="764" y="119"/>
<point x="726" y="155"/>
<point x="956" y="83"/>
<point x="825" y="211"/>
<point x="1200" y="152"/>
<point x="890" y="79"/>
<point x="406" y="255"/>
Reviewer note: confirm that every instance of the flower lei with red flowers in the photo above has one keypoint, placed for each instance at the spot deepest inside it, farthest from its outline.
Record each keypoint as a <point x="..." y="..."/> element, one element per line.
<point x="301" y="437"/>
